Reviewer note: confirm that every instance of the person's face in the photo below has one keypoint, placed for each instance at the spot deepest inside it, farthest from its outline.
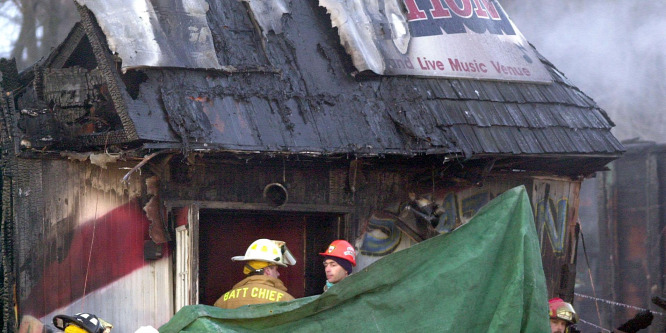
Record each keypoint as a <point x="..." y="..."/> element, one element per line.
<point x="334" y="272"/>
<point x="557" y="325"/>
<point x="272" y="271"/>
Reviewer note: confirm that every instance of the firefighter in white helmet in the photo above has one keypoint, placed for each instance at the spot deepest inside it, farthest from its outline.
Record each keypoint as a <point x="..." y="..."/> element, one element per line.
<point x="262" y="285"/>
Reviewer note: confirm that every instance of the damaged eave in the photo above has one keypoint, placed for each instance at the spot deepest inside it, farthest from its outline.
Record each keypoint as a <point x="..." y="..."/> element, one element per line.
<point x="562" y="165"/>
<point x="295" y="151"/>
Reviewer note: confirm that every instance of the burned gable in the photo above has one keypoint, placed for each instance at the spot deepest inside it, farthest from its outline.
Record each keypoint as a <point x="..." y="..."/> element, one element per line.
<point x="80" y="101"/>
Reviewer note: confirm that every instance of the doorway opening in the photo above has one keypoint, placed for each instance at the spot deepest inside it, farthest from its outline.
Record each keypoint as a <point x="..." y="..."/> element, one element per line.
<point x="227" y="233"/>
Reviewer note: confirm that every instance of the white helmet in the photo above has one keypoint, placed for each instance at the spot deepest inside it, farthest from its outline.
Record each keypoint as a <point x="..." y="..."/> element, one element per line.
<point x="272" y="251"/>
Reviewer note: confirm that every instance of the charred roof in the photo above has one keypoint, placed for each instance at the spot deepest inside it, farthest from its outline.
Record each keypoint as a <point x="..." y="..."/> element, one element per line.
<point x="276" y="77"/>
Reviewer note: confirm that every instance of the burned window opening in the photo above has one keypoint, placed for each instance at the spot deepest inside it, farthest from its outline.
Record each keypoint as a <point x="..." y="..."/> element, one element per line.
<point x="82" y="56"/>
<point x="133" y="80"/>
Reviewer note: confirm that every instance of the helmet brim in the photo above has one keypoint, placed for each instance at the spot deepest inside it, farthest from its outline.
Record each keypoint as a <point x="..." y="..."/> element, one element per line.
<point x="62" y="321"/>
<point x="287" y="257"/>
<point x="243" y="258"/>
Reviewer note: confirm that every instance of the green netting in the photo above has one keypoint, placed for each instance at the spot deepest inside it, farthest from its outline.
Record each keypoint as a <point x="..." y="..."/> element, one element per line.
<point x="485" y="276"/>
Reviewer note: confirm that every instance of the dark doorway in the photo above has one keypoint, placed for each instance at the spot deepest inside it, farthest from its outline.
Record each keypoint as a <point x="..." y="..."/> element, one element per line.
<point x="224" y="234"/>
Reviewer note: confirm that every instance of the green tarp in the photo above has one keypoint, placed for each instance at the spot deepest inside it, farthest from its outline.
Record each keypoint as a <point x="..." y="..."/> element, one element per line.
<point x="486" y="276"/>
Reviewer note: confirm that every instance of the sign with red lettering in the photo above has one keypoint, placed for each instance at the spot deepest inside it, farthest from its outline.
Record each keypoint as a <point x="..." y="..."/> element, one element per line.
<point x="441" y="38"/>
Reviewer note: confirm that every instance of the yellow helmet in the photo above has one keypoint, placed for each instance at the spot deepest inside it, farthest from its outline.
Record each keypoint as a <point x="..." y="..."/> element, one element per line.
<point x="272" y="251"/>
<point x="81" y="323"/>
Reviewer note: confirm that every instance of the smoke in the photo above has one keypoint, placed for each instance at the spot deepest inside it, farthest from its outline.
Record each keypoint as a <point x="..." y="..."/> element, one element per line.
<point x="613" y="50"/>
<point x="9" y="15"/>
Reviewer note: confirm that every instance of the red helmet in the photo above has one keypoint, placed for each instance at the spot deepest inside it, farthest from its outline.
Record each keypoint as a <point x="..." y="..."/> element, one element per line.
<point x="559" y="309"/>
<point x="341" y="249"/>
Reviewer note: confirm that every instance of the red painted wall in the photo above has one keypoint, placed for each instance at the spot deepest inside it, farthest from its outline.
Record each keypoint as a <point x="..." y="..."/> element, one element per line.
<point x="101" y="252"/>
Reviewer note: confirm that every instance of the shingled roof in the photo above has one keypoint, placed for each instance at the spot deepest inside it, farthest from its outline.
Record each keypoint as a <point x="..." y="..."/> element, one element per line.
<point x="294" y="89"/>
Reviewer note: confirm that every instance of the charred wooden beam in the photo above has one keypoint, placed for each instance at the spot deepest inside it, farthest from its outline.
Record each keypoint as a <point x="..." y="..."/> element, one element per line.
<point x="58" y="59"/>
<point x="106" y="64"/>
<point x="9" y="76"/>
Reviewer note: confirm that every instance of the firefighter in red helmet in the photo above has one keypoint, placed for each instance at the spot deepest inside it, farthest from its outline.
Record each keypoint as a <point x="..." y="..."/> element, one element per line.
<point x="562" y="315"/>
<point x="339" y="258"/>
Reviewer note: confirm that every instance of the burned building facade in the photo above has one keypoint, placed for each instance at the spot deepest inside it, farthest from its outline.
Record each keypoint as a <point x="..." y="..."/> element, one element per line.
<point x="155" y="143"/>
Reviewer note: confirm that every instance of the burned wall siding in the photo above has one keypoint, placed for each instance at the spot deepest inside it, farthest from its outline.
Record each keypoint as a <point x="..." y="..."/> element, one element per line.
<point x="155" y="212"/>
<point x="656" y="253"/>
<point x="63" y="105"/>
<point x="32" y="125"/>
<point x="608" y="283"/>
<point x="81" y="238"/>
<point x="28" y="197"/>
<point x="7" y="227"/>
<point x="245" y="181"/>
<point x="80" y="101"/>
<point x="7" y="294"/>
<point x="71" y="87"/>
<point x="418" y="211"/>
<point x="426" y="209"/>
<point x="632" y="226"/>
<point x="635" y="212"/>
<point x="391" y="206"/>
<point x="555" y="204"/>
